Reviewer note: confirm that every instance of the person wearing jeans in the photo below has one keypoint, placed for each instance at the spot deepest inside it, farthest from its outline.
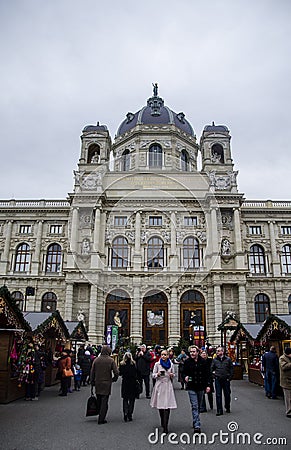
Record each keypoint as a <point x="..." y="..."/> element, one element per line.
<point x="222" y="369"/>
<point x="198" y="381"/>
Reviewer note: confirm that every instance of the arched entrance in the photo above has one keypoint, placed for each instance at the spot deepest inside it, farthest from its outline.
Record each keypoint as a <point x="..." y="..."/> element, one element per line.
<point x="118" y="313"/>
<point x="155" y="318"/>
<point x="193" y="326"/>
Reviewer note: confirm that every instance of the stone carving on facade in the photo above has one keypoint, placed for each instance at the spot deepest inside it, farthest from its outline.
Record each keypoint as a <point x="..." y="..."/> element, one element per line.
<point x="226" y="220"/>
<point x="166" y="236"/>
<point x="130" y="236"/>
<point x="145" y="144"/>
<point x="225" y="247"/>
<point x="77" y="176"/>
<point x="80" y="315"/>
<point x="91" y="181"/>
<point x="219" y="182"/>
<point x="201" y="235"/>
<point x="86" y="246"/>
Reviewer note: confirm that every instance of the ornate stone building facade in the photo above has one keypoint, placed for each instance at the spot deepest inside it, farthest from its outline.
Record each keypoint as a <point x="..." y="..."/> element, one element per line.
<point x="148" y="241"/>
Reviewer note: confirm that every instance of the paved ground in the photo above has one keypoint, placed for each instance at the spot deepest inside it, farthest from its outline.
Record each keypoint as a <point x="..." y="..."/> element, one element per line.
<point x="55" y="423"/>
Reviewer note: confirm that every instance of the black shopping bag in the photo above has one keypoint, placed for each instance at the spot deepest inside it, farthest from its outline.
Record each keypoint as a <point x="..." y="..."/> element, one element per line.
<point x="92" y="405"/>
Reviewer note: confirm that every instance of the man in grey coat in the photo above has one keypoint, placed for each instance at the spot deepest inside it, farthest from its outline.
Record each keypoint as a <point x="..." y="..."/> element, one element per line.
<point x="101" y="377"/>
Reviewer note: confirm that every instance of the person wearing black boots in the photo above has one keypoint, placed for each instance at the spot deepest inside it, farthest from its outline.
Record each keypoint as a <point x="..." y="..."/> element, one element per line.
<point x="163" y="397"/>
<point x="128" y="372"/>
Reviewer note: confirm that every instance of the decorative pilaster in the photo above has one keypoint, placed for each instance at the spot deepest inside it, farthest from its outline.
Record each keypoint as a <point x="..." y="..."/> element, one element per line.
<point x="174" y="318"/>
<point x="5" y="257"/>
<point x="136" y="315"/>
<point x="214" y="239"/>
<point x="239" y="257"/>
<point x="275" y="260"/>
<point x="92" y="323"/>
<point x="69" y="301"/>
<point x="137" y="246"/>
<point x="36" y="263"/>
<point x="96" y="240"/>
<point x="243" y="315"/>
<point x="218" y="309"/>
<point x="173" y="250"/>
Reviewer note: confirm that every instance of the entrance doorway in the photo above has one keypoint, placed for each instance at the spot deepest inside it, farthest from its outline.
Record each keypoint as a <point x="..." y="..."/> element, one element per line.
<point x="155" y="318"/>
<point x="193" y="326"/>
<point x="118" y="313"/>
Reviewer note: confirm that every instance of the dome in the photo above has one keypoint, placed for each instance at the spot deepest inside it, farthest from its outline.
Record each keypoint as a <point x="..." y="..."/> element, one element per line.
<point x="96" y="127"/>
<point x="216" y="128"/>
<point x="155" y="113"/>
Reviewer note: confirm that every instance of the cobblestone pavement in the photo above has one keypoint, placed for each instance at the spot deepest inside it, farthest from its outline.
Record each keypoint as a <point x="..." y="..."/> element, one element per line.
<point x="55" y="423"/>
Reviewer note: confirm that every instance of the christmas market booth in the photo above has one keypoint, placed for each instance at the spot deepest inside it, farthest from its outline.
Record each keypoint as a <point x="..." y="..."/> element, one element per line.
<point x="77" y="332"/>
<point x="50" y="332"/>
<point x="226" y="328"/>
<point x="249" y="350"/>
<point x="276" y="331"/>
<point x="13" y="329"/>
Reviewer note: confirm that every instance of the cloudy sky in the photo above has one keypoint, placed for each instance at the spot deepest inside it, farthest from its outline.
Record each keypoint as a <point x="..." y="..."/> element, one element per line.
<point x="69" y="63"/>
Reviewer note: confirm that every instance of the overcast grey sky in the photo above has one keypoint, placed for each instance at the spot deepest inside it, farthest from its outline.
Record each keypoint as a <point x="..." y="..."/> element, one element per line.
<point x="69" y="63"/>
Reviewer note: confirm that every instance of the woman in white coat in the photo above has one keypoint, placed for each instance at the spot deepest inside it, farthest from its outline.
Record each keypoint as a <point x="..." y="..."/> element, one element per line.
<point x="163" y="397"/>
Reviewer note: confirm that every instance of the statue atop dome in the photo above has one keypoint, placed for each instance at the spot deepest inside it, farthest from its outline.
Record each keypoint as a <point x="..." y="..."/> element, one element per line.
<point x="155" y="89"/>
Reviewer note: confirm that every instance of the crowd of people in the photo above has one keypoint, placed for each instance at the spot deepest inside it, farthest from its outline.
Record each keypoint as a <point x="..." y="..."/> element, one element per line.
<point x="203" y="373"/>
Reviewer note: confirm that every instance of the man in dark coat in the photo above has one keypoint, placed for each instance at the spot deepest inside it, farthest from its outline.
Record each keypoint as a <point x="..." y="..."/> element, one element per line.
<point x="101" y="377"/>
<point x="143" y="364"/>
<point x="222" y="369"/>
<point x="270" y="366"/>
<point x="198" y="380"/>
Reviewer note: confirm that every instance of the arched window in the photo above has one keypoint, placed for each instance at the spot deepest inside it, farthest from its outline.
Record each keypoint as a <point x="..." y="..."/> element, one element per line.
<point x="257" y="263"/>
<point x="262" y="307"/>
<point x="286" y="259"/>
<point x="22" y="258"/>
<point x="184" y="161"/>
<point x="53" y="258"/>
<point x="217" y="154"/>
<point x="191" y="253"/>
<point x="155" y="156"/>
<point x="155" y="253"/>
<point x="19" y="299"/>
<point x="119" y="255"/>
<point x="125" y="163"/>
<point x="49" y="302"/>
<point x="93" y="154"/>
<point x="289" y="304"/>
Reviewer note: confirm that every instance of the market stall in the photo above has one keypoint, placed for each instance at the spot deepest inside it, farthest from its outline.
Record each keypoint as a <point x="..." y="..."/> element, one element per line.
<point x="77" y="333"/>
<point x="49" y="331"/>
<point x="13" y="329"/>
<point x="249" y="350"/>
<point x="228" y="325"/>
<point x="276" y="331"/>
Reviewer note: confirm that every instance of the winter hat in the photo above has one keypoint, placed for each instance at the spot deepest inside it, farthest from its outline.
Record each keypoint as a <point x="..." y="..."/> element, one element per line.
<point x="87" y="353"/>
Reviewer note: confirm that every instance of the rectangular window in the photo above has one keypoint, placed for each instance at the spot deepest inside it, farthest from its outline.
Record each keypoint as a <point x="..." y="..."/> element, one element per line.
<point x="190" y="221"/>
<point x="255" y="229"/>
<point x="25" y="229"/>
<point x="120" y="221"/>
<point x="156" y="221"/>
<point x="56" y="229"/>
<point x="286" y="230"/>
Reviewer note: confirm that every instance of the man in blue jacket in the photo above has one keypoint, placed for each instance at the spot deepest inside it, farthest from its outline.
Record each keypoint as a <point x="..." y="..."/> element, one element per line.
<point x="270" y="366"/>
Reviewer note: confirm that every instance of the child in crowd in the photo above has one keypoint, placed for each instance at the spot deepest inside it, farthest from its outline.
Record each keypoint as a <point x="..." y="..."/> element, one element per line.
<point x="77" y="377"/>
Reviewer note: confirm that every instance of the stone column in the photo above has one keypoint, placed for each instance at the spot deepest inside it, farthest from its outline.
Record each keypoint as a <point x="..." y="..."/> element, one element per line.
<point x="239" y="257"/>
<point x="5" y="257"/>
<point x="214" y="239"/>
<point x="100" y="316"/>
<point x="173" y="258"/>
<point x="96" y="239"/>
<point x="275" y="263"/>
<point x="136" y="314"/>
<point x="137" y="258"/>
<point x="69" y="301"/>
<point x="243" y="315"/>
<point x="92" y="322"/>
<point x="102" y="258"/>
<point x="174" y="318"/>
<point x="73" y="239"/>
<point x="218" y="310"/>
<point x="36" y="264"/>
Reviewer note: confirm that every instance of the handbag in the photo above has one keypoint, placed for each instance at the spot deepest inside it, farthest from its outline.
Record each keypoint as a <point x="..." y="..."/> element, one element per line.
<point x="93" y="408"/>
<point x="67" y="372"/>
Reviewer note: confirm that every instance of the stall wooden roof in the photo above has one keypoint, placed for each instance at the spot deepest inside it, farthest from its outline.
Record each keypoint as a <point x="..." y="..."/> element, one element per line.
<point x="276" y="326"/>
<point x="42" y="322"/>
<point x="77" y="330"/>
<point x="11" y="318"/>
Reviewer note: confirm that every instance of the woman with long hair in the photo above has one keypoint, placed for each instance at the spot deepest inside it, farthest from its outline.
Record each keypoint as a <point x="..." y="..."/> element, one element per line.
<point x="163" y="397"/>
<point x="128" y="372"/>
